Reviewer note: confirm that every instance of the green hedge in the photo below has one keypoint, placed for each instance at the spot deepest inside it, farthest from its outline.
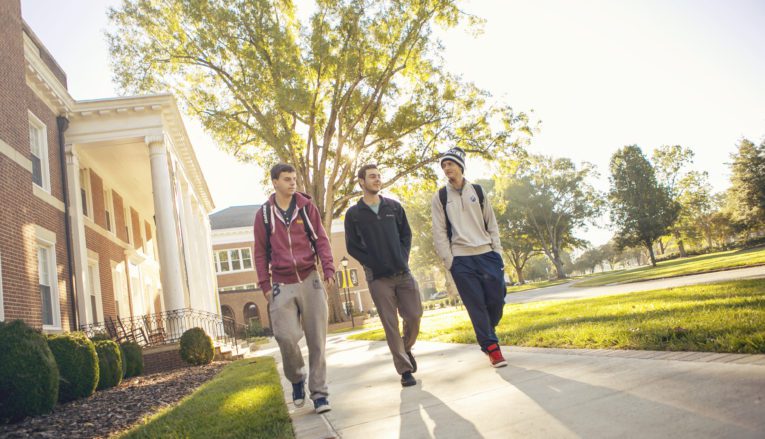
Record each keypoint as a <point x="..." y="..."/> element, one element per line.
<point x="196" y="347"/>
<point x="28" y="373"/>
<point x="109" y="364"/>
<point x="132" y="359"/>
<point x="77" y="365"/>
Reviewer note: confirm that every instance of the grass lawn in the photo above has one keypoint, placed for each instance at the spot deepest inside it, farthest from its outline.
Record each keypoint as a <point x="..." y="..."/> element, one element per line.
<point x="534" y="286"/>
<point x="244" y="400"/>
<point x="680" y="267"/>
<point x="722" y="317"/>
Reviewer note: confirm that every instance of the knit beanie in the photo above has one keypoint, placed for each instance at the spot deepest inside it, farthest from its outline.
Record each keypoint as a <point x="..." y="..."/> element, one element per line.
<point x="457" y="155"/>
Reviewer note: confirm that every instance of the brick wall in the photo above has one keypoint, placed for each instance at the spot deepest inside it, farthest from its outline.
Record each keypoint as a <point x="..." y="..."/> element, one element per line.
<point x="162" y="358"/>
<point x="21" y="208"/>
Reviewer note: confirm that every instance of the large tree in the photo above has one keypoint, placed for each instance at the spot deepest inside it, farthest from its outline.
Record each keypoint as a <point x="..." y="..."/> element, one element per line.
<point x="515" y="231"/>
<point x="642" y="209"/>
<point x="748" y="185"/>
<point x="690" y="188"/>
<point x="356" y="82"/>
<point x="556" y="198"/>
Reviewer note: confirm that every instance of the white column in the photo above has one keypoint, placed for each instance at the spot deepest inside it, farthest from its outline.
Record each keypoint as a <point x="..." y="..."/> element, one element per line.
<point x="79" y="246"/>
<point x="167" y="239"/>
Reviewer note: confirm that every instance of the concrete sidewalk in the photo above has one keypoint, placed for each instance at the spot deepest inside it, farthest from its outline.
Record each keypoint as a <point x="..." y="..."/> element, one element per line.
<point x="543" y="393"/>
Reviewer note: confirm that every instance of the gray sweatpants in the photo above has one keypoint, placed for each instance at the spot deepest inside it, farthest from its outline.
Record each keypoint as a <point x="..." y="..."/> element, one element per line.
<point x="392" y="296"/>
<point x="296" y="309"/>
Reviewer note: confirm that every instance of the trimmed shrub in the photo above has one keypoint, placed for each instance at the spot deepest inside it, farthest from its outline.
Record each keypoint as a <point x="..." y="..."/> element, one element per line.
<point x="109" y="364"/>
<point x="28" y="373"/>
<point x="77" y="365"/>
<point x="196" y="347"/>
<point x="132" y="359"/>
<point x="100" y="335"/>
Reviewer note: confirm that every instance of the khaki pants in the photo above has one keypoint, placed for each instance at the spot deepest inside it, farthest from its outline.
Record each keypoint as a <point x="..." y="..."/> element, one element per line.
<point x="296" y="309"/>
<point x="398" y="295"/>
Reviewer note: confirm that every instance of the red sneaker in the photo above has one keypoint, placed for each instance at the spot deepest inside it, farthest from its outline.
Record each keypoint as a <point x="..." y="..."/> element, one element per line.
<point x="495" y="356"/>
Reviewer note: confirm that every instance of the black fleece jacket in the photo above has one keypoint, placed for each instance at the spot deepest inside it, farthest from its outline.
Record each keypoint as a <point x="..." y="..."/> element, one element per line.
<point x="380" y="241"/>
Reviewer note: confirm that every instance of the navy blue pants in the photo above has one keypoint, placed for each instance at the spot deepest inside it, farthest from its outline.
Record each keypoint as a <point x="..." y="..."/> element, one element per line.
<point x="480" y="281"/>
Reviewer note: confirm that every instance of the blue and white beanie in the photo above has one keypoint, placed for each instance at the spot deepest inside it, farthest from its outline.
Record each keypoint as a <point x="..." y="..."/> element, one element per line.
<point x="457" y="155"/>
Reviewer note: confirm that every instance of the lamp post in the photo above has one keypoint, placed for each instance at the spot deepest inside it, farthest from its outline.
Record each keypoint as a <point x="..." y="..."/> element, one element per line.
<point x="346" y="284"/>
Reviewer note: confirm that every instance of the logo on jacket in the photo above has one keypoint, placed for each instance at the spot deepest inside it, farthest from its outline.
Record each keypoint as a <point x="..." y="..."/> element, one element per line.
<point x="473" y="198"/>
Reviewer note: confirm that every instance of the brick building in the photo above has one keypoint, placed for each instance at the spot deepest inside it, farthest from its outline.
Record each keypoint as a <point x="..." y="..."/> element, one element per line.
<point x="240" y="297"/>
<point x="104" y="206"/>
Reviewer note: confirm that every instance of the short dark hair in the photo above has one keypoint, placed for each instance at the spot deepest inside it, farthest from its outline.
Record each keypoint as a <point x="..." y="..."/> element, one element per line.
<point x="277" y="170"/>
<point x="362" y="174"/>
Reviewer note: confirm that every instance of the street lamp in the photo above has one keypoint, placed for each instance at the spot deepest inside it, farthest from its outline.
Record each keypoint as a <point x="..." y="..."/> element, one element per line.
<point x="346" y="284"/>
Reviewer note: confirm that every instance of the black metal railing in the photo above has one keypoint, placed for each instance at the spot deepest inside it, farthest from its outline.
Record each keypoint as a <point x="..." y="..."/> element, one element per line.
<point x="165" y="328"/>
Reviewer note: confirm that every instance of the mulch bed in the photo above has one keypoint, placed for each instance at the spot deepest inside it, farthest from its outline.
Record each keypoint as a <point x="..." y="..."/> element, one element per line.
<point x="111" y="411"/>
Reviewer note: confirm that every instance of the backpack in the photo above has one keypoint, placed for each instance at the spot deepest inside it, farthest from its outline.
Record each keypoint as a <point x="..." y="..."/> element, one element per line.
<point x="442" y="196"/>
<point x="306" y="226"/>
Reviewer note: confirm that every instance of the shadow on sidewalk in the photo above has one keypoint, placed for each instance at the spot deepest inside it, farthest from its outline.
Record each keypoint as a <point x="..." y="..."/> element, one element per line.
<point x="591" y="411"/>
<point x="448" y="423"/>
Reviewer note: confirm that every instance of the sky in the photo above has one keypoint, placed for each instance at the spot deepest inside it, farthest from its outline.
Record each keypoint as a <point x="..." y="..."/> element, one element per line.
<point x="599" y="75"/>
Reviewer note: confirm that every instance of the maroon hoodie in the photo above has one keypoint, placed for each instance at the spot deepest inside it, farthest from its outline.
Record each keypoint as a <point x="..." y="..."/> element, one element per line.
<point x="292" y="258"/>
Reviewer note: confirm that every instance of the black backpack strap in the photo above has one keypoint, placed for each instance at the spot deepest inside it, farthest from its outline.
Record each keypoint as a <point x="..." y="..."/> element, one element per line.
<point x="442" y="197"/>
<point x="479" y="191"/>
<point x="267" y="223"/>
<point x="309" y="230"/>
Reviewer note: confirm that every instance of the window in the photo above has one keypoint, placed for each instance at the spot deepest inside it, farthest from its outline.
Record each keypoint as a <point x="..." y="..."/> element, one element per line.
<point x="223" y="262"/>
<point x="46" y="264"/>
<point x="233" y="260"/>
<point x="94" y="296"/>
<point x="128" y="225"/>
<point x="38" y="144"/>
<point x="236" y="262"/>
<point x="86" y="199"/>
<point x="246" y="259"/>
<point x="109" y="210"/>
<point x="2" y="312"/>
<point x="121" y="301"/>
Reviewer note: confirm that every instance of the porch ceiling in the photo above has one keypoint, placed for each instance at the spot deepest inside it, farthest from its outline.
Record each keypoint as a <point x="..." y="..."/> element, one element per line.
<point x="125" y="168"/>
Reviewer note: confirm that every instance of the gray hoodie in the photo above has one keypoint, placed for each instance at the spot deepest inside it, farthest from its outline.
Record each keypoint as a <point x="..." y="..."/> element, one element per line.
<point x="474" y="232"/>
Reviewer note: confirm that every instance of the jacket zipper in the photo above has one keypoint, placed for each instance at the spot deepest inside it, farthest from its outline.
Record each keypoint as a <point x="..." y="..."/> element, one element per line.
<point x="294" y="261"/>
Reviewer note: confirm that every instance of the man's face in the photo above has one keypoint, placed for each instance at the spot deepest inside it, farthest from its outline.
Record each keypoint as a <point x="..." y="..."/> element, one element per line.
<point x="372" y="182"/>
<point x="286" y="184"/>
<point x="451" y="169"/>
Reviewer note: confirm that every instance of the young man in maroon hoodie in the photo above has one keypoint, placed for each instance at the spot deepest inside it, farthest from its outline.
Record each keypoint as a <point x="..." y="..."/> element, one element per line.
<point x="289" y="242"/>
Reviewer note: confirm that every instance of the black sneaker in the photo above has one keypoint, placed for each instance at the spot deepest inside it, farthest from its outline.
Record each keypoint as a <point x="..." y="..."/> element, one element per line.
<point x="321" y="405"/>
<point x="407" y="379"/>
<point x="298" y="393"/>
<point x="411" y="360"/>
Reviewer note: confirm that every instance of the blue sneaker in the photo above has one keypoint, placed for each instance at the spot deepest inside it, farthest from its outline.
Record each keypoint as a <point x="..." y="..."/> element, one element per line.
<point x="321" y="405"/>
<point x="298" y="393"/>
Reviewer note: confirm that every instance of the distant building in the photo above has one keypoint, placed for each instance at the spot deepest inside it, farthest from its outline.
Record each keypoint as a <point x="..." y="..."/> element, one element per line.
<point x="240" y="297"/>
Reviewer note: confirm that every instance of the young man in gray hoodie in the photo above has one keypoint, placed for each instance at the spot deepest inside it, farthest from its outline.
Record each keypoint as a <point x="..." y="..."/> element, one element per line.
<point x="466" y="238"/>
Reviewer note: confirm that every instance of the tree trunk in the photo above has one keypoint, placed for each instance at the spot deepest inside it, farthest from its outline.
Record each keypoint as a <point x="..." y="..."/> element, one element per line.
<point x="334" y="301"/>
<point x="681" y="246"/>
<point x="661" y="246"/>
<point x="650" y="253"/>
<point x="560" y="271"/>
<point x="519" y="273"/>
<point x="451" y="287"/>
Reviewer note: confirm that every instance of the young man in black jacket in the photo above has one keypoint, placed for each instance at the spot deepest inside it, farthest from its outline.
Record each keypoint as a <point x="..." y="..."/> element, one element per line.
<point x="377" y="234"/>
